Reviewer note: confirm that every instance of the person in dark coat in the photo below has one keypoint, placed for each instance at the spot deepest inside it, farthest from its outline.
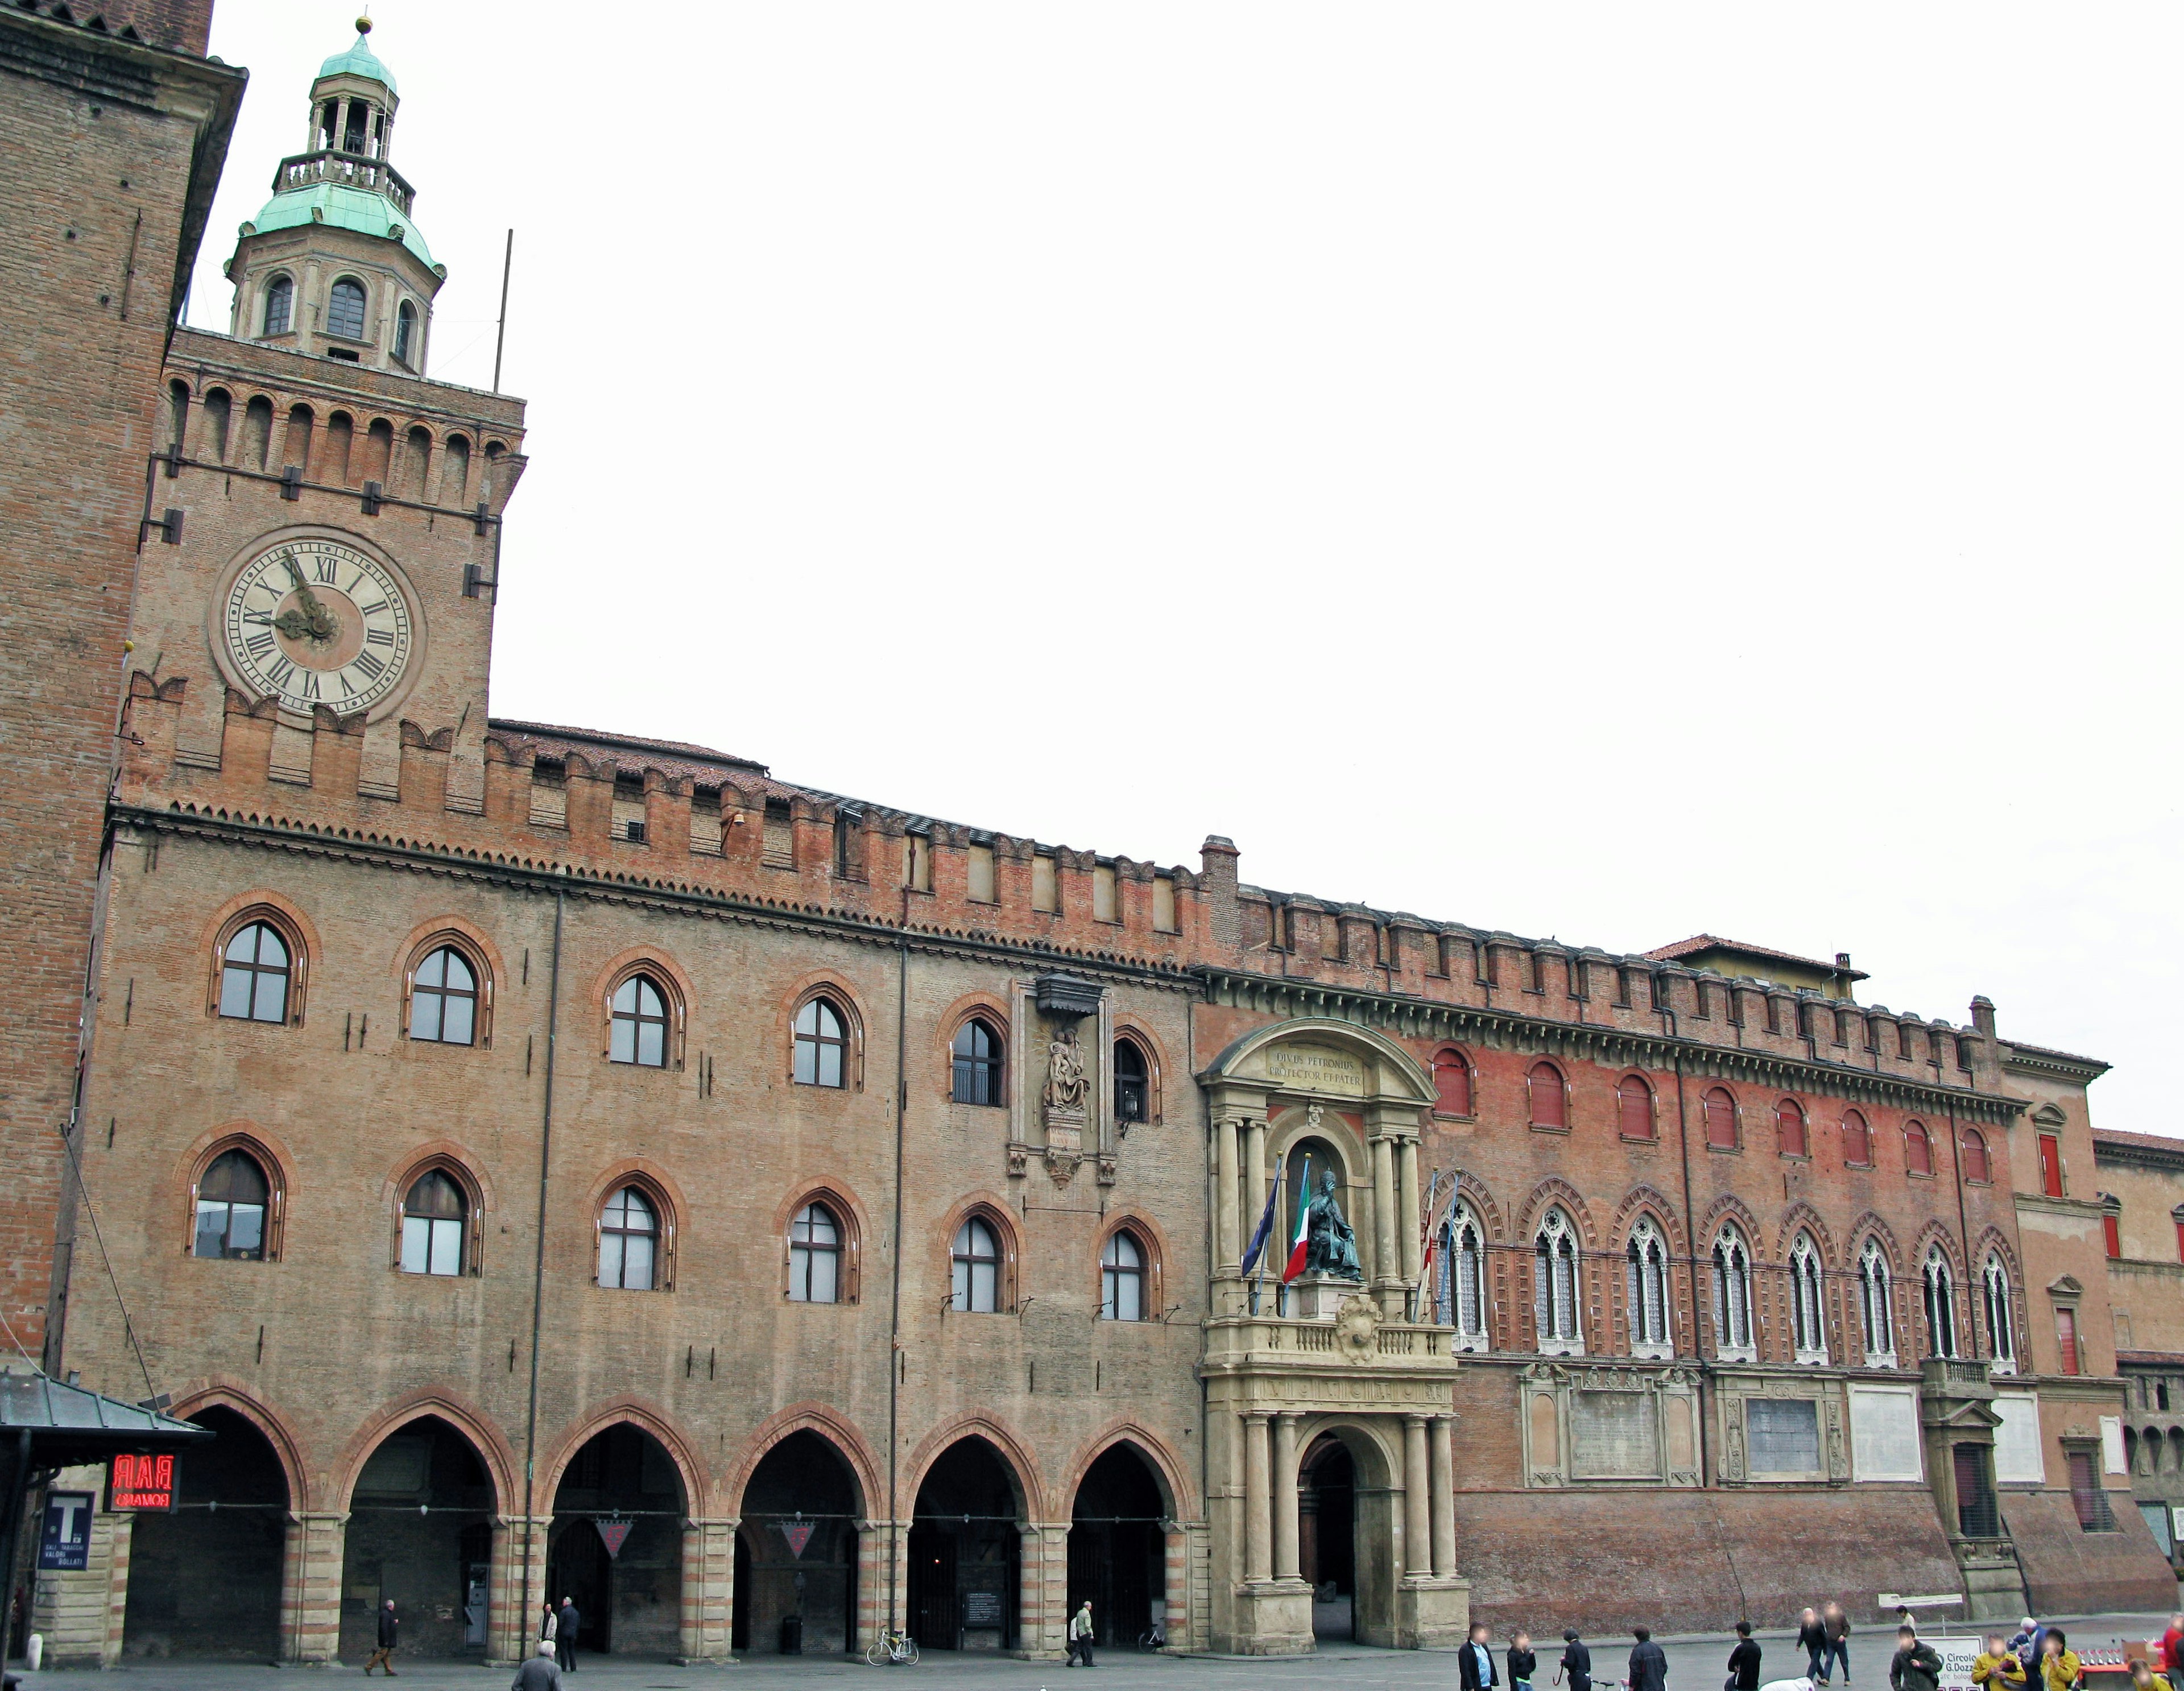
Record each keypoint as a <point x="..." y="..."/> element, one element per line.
<point x="1838" y="1628"/>
<point x="390" y="1628"/>
<point x="1577" y="1662"/>
<point x="1474" y="1662"/>
<point x="1649" y="1668"/>
<point x="1813" y="1639"/>
<point x="1744" y="1659"/>
<point x="1522" y="1664"/>
<point x="540" y="1673"/>
<point x="565" y="1633"/>
<point x="1915" y="1667"/>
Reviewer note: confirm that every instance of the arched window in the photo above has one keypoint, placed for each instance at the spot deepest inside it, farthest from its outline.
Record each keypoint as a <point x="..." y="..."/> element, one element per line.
<point x="1460" y="1279"/>
<point x="1720" y="1110"/>
<point x="434" y="1221"/>
<point x="639" y="1028"/>
<point x="444" y="1000"/>
<point x="1918" y="1149"/>
<point x="1977" y="1169"/>
<point x="1732" y="1295"/>
<point x="1451" y="1075"/>
<point x="1554" y="1280"/>
<point x="977" y="1063"/>
<point x="1806" y="1309"/>
<point x="345" y="309"/>
<point x="1941" y="1300"/>
<point x="1122" y="1278"/>
<point x="1790" y="1124"/>
<point x="975" y="1261"/>
<point x="405" y="330"/>
<point x="1550" y="1102"/>
<point x="2000" y="1320"/>
<point x="1133" y="1081"/>
<point x="1647" y="1274"/>
<point x="1875" y="1311"/>
<point x="1634" y="1108"/>
<point x="232" y="1199"/>
<point x="279" y="305"/>
<point x="629" y="1242"/>
<point x="253" y="974"/>
<point x="821" y="1044"/>
<point x="1857" y="1140"/>
<point x="815" y="1256"/>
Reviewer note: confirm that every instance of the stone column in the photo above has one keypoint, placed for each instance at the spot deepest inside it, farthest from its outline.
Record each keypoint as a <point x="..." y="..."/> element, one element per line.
<point x="883" y="1576"/>
<point x="510" y="1610"/>
<point x="1257" y="1552"/>
<point x="1043" y="1583"/>
<point x="1440" y="1459"/>
<point x="311" y="1585"/>
<point x="1418" y="1489"/>
<point x="1176" y="1585"/>
<point x="709" y="1587"/>
<point x="1228" y="1250"/>
<point x="1285" y="1497"/>
<point x="1255" y="1185"/>
<point x="1385" y="1270"/>
<point x="1407" y="1188"/>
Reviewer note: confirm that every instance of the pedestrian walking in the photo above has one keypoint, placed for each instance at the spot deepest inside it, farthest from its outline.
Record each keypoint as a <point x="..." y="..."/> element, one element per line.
<point x="1915" y="1667"/>
<point x="1743" y="1661"/>
<point x="1837" y="1625"/>
<point x="1080" y="1635"/>
<point x="1522" y="1664"/>
<point x="566" y="1625"/>
<point x="1577" y="1663"/>
<point x="1813" y="1639"/>
<point x="1649" y="1668"/>
<point x="1474" y="1662"/>
<point x="540" y="1673"/>
<point x="390" y="1629"/>
<point x="1997" y="1668"/>
<point x="2059" y="1668"/>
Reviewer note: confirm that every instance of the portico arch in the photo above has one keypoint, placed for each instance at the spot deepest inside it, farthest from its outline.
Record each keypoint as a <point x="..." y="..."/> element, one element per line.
<point x="1349" y="1528"/>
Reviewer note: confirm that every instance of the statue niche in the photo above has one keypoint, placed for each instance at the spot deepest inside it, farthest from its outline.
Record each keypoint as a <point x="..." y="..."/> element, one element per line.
<point x="1065" y="1104"/>
<point x="1330" y="1247"/>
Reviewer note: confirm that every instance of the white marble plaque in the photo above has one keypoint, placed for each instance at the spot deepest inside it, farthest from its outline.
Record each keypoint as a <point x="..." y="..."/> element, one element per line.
<point x="1614" y="1435"/>
<point x="1783" y="1435"/>
<point x="1884" y="1433"/>
<point x="2019" y="1456"/>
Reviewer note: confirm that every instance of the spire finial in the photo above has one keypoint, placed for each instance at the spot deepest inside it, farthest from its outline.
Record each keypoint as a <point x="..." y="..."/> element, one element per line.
<point x="364" y="24"/>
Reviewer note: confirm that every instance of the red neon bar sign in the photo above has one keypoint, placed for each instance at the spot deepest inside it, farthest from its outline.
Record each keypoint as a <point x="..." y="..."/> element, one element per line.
<point x="141" y="1482"/>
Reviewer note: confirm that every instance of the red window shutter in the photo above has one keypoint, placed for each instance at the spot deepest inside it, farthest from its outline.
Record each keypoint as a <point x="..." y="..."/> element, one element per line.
<point x="1452" y="1084"/>
<point x="2051" y="1165"/>
<point x="1791" y="1117"/>
<point x="2066" y="1336"/>
<point x="1721" y="1120"/>
<point x="1636" y="1103"/>
<point x="1547" y="1110"/>
<point x="1857" y="1140"/>
<point x="1918" y="1149"/>
<point x="2112" y="1229"/>
<point x="1975" y="1163"/>
<point x="2180" y="1242"/>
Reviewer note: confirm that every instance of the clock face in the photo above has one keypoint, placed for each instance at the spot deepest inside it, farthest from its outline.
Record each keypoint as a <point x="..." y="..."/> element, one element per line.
<point x="318" y="623"/>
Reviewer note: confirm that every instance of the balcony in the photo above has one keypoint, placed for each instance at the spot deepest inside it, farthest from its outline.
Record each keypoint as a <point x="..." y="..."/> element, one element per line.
<point x="345" y="170"/>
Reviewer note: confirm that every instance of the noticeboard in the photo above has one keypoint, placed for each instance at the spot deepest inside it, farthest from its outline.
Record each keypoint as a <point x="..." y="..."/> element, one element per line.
<point x="64" y="1536"/>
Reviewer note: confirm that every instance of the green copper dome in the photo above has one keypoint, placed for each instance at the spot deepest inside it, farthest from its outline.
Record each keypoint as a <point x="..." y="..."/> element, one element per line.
<point x="359" y="61"/>
<point x="356" y="208"/>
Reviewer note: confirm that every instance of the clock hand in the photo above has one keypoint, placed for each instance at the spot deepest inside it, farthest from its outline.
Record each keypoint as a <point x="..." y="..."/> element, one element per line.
<point x="317" y="621"/>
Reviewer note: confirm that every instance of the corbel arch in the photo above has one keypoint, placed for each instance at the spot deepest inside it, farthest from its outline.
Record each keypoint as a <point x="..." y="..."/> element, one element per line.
<point x="1171" y="1474"/>
<point x="218" y="1391"/>
<point x="473" y="1423"/>
<point x="837" y="1429"/>
<point x="1017" y="1460"/>
<point x="648" y="1417"/>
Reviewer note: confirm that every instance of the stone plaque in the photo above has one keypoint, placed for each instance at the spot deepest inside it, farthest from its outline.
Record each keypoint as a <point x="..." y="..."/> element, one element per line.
<point x="1884" y="1433"/>
<point x="1614" y="1435"/>
<point x="1316" y="1068"/>
<point x="2018" y="1458"/>
<point x="1782" y="1435"/>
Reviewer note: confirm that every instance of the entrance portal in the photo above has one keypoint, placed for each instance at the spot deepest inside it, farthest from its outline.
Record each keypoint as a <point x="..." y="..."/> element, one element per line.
<point x="796" y="1551"/>
<point x="1117" y="1547"/>
<point x="622" y="1484"/>
<point x="205" y="1581"/>
<point x="963" y="1551"/>
<point x="420" y="1532"/>
<point x="1326" y="1539"/>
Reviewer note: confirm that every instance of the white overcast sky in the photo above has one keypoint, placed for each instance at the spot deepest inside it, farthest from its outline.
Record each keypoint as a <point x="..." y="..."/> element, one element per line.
<point x="1600" y="470"/>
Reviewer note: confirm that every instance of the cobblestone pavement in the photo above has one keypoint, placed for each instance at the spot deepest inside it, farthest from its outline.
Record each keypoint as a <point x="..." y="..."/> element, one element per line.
<point x="1695" y="1664"/>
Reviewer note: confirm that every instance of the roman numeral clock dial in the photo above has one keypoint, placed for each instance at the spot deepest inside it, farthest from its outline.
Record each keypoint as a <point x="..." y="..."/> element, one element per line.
<point x="317" y="622"/>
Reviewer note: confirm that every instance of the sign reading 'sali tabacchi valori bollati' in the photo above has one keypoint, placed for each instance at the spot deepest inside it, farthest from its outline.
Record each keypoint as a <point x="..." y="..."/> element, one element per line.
<point x="142" y="1483"/>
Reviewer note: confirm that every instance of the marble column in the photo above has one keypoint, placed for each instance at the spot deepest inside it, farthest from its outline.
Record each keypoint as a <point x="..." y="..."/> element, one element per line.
<point x="1385" y="1268"/>
<point x="1440" y="1462"/>
<point x="1257" y="1551"/>
<point x="1418" y="1489"/>
<point x="1255" y="1186"/>
<point x="1227" y="1251"/>
<point x="1285" y="1497"/>
<point x="311" y="1585"/>
<point x="1406" y="1186"/>
<point x="709" y="1587"/>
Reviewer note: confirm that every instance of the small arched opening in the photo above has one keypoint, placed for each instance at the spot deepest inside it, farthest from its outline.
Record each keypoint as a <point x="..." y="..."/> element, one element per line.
<point x="205" y="1581"/>
<point x="963" y="1551"/>
<point x="796" y="1552"/>
<point x="615" y="1546"/>
<point x="421" y="1532"/>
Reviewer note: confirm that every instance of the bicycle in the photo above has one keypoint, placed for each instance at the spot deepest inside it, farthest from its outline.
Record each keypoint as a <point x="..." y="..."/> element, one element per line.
<point x="1153" y="1637"/>
<point x="891" y="1647"/>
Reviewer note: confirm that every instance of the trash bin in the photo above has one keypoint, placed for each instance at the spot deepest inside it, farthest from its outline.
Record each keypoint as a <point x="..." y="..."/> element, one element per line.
<point x="792" y="1635"/>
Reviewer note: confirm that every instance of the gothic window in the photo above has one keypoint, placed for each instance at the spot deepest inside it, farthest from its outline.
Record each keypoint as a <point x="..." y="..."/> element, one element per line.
<point x="1549" y="1101"/>
<point x="1122" y="1278"/>
<point x="976" y="1268"/>
<point x="1875" y="1311"/>
<point x="815" y="1256"/>
<point x="405" y="332"/>
<point x="821" y="1044"/>
<point x="1648" y="1275"/>
<point x="279" y="305"/>
<point x="1732" y="1295"/>
<point x="1720" y="1110"/>
<point x="345" y="309"/>
<point x="1132" y="1081"/>
<point x="1918" y="1149"/>
<point x="1940" y="1304"/>
<point x="629" y="1242"/>
<point x="443" y="998"/>
<point x="253" y="974"/>
<point x="1977" y="1169"/>
<point x="2000" y="1324"/>
<point x="639" y="1027"/>
<point x="1451" y="1074"/>
<point x="434" y="1220"/>
<point x="1634" y="1108"/>
<point x="976" y="1052"/>
<point x="1460" y="1277"/>
<point x="1857" y="1140"/>
<point x="1790" y="1124"/>
<point x="1806" y="1309"/>
<point x="232" y="1199"/>
<point x="1554" y="1282"/>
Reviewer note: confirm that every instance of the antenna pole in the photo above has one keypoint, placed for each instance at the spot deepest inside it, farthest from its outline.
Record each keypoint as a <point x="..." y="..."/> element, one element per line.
<point x="500" y="333"/>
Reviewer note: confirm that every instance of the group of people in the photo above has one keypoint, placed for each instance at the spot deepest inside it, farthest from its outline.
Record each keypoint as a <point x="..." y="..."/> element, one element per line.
<point x="557" y="1649"/>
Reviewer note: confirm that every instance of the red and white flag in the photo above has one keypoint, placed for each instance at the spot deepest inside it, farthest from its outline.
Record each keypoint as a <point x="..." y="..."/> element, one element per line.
<point x="1295" y="1265"/>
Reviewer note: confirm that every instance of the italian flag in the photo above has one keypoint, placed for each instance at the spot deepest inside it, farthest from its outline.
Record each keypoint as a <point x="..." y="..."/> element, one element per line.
<point x="1295" y="1265"/>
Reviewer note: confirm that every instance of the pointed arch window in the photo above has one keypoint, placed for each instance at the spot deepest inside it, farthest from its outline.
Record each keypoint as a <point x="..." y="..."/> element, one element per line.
<point x="255" y="971"/>
<point x="1875" y="1308"/>
<point x="1634" y="1108"/>
<point x="1132" y="1081"/>
<point x="1998" y="1307"/>
<point x="639" y="1023"/>
<point x="1720" y="1108"/>
<point x="1732" y="1296"/>
<point x="1940" y="1293"/>
<point x="1550" y="1098"/>
<point x="435" y="1226"/>
<point x="1554" y="1282"/>
<point x="405" y="332"/>
<point x="977" y="1062"/>
<point x="232" y="1198"/>
<point x="1646" y="1272"/>
<point x="1123" y="1277"/>
<point x="1460" y="1278"/>
<point x="1978" y="1170"/>
<point x="1856" y="1141"/>
<point x="815" y="1256"/>
<point x="629" y="1242"/>
<point x="1808" y="1305"/>
<point x="1451" y="1074"/>
<point x="975" y="1265"/>
<point x="279" y="306"/>
<point x="1918" y="1149"/>
<point x="345" y="309"/>
<point x="822" y="1043"/>
<point x="443" y="998"/>
<point x="1790" y="1124"/>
